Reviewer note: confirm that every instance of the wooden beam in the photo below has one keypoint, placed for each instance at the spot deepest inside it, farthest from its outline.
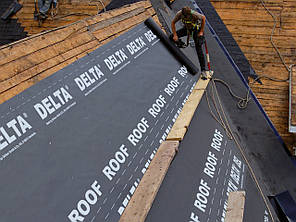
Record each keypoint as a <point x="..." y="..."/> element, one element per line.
<point x="235" y="208"/>
<point x="181" y="125"/>
<point x="111" y="21"/>
<point x="141" y="201"/>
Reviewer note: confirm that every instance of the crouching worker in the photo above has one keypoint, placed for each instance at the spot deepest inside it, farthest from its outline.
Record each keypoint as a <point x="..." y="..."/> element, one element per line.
<point x="193" y="25"/>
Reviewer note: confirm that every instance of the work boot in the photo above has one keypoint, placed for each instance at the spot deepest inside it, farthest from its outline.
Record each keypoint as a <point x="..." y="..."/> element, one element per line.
<point x="203" y="75"/>
<point x="43" y="16"/>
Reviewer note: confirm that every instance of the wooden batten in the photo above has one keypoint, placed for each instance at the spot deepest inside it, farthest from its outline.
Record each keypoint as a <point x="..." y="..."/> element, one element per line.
<point x="181" y="125"/>
<point x="236" y="205"/>
<point x="251" y="26"/>
<point x="141" y="201"/>
<point x="25" y="62"/>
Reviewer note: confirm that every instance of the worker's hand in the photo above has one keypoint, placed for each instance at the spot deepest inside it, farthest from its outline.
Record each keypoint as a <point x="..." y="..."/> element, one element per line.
<point x="201" y="33"/>
<point x="175" y="38"/>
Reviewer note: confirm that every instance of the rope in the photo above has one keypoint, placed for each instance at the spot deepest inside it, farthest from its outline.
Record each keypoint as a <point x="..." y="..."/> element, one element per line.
<point x="273" y="29"/>
<point x="243" y="102"/>
<point x="98" y="5"/>
<point x="225" y="123"/>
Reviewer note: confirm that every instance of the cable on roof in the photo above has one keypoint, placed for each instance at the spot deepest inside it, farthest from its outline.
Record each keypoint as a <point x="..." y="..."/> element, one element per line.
<point x="223" y="120"/>
<point x="98" y="5"/>
<point x="271" y="40"/>
<point x="243" y="101"/>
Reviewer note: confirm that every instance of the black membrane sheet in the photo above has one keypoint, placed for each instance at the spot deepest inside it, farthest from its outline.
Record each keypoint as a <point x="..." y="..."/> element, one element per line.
<point x="74" y="146"/>
<point x="208" y="166"/>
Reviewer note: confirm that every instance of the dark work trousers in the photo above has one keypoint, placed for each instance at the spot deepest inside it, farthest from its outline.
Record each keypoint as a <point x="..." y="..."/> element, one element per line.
<point x="44" y="6"/>
<point x="198" y="41"/>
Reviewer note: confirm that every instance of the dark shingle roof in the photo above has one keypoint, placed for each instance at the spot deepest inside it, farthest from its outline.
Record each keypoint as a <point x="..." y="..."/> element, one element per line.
<point x="10" y="29"/>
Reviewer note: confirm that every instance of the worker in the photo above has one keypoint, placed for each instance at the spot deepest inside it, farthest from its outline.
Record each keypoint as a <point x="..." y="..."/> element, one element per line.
<point x="44" y="6"/>
<point x="193" y="25"/>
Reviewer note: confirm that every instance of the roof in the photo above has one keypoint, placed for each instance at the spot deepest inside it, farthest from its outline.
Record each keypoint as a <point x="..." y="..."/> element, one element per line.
<point x="251" y="26"/>
<point x="247" y="41"/>
<point x="24" y="63"/>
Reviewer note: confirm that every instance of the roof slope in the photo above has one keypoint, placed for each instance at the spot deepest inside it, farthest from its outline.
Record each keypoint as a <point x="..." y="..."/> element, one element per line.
<point x="251" y="26"/>
<point x="24" y="63"/>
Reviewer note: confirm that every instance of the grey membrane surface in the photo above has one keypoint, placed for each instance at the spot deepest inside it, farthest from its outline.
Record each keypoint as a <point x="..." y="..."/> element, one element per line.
<point x="74" y="146"/>
<point x="260" y="142"/>
<point x="207" y="167"/>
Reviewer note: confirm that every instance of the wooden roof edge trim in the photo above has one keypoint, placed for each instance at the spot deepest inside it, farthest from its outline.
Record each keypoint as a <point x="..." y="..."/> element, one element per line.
<point x="144" y="3"/>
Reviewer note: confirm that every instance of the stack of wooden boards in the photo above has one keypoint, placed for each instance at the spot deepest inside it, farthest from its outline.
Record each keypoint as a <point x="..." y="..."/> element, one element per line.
<point x="251" y="26"/>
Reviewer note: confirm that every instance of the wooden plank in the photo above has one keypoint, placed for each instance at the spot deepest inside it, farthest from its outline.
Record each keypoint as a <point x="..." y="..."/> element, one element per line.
<point x="17" y="66"/>
<point x="235" y="207"/>
<point x="29" y="77"/>
<point x="45" y="65"/>
<point x="116" y="12"/>
<point x="117" y="27"/>
<point x="181" y="125"/>
<point x="111" y="21"/>
<point x="141" y="201"/>
<point x="28" y="45"/>
<point x="34" y="59"/>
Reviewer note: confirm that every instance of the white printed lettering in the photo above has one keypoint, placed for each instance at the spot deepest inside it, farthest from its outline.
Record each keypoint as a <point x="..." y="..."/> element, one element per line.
<point x="194" y="218"/>
<point x="171" y="86"/>
<point x="19" y="127"/>
<point x="135" y="45"/>
<point x="89" y="78"/>
<point x="156" y="107"/>
<point x="84" y="206"/>
<point x="115" y="163"/>
<point x="115" y="59"/>
<point x="48" y="105"/>
<point x="150" y="36"/>
<point x="138" y="132"/>
<point x="201" y="197"/>
<point x="182" y="71"/>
